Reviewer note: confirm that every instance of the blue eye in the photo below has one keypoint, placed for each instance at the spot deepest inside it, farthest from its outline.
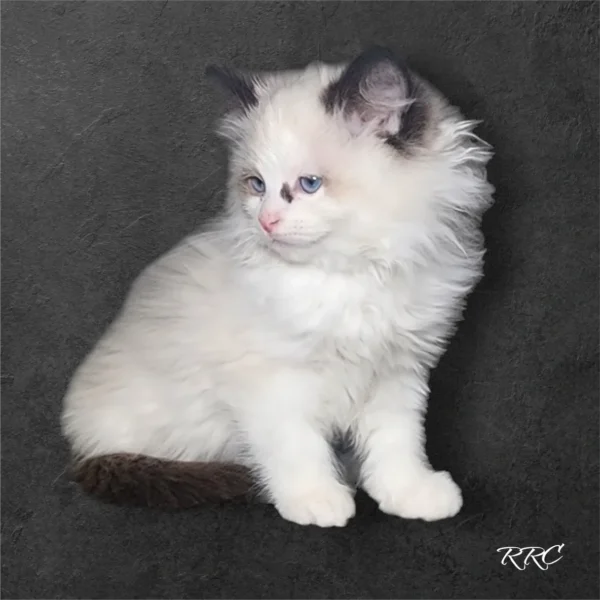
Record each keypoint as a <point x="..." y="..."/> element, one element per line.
<point x="257" y="185"/>
<point x="310" y="183"/>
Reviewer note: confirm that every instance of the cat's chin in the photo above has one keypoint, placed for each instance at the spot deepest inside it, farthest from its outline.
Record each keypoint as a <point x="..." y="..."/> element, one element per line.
<point x="294" y="251"/>
<point x="293" y="242"/>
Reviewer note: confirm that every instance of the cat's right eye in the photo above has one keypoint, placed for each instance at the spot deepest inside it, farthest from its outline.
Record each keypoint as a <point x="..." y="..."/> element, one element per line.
<point x="256" y="185"/>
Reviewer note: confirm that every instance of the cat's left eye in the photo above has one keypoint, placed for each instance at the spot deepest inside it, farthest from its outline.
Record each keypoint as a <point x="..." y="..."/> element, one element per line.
<point x="310" y="183"/>
<point x="257" y="185"/>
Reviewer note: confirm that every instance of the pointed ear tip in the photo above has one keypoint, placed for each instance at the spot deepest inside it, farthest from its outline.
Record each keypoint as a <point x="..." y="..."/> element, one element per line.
<point x="383" y="54"/>
<point x="378" y="47"/>
<point x="211" y="71"/>
<point x="379" y="50"/>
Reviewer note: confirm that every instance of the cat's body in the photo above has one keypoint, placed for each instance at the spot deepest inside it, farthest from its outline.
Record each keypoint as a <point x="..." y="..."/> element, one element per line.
<point x="256" y="345"/>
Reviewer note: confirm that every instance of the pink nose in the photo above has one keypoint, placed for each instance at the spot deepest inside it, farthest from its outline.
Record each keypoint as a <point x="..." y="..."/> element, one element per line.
<point x="268" y="221"/>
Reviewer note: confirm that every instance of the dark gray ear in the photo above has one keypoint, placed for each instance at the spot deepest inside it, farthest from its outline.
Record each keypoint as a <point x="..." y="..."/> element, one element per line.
<point x="374" y="91"/>
<point x="241" y="86"/>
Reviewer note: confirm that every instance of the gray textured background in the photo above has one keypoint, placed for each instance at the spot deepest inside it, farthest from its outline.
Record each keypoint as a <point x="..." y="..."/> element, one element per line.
<point x="108" y="159"/>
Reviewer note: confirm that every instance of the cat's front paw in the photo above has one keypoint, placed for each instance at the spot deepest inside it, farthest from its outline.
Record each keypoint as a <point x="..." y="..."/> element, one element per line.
<point x="431" y="495"/>
<point x="329" y="504"/>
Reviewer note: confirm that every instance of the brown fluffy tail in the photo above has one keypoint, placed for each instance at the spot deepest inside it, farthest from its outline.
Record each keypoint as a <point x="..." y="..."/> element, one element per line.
<point x="145" y="481"/>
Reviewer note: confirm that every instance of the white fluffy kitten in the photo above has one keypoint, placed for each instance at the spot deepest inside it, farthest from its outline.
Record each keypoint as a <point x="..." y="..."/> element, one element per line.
<point x="315" y="306"/>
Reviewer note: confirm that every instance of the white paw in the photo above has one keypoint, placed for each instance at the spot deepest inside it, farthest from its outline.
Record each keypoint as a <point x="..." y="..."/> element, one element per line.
<point x="329" y="505"/>
<point x="430" y="496"/>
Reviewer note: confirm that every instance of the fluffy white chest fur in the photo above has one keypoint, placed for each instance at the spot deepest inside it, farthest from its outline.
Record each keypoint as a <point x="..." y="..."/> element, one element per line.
<point x="316" y="305"/>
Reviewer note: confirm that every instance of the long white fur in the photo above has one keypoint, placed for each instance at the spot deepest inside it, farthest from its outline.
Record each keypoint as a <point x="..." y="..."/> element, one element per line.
<point x="236" y="347"/>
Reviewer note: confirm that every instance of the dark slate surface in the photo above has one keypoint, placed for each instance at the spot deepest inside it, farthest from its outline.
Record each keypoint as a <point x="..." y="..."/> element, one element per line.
<point x="108" y="159"/>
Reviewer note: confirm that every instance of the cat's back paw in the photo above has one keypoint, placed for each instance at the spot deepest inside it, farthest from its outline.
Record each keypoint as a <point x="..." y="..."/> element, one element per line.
<point x="431" y="497"/>
<point x="329" y="504"/>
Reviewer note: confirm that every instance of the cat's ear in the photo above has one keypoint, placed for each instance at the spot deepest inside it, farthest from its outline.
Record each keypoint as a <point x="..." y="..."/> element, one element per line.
<point x="373" y="92"/>
<point x="241" y="86"/>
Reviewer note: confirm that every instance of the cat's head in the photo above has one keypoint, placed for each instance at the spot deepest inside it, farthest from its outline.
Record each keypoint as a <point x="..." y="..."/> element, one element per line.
<point x="330" y="160"/>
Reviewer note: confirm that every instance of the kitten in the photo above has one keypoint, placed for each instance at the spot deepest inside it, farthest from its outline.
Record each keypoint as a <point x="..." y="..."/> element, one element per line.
<point x="315" y="306"/>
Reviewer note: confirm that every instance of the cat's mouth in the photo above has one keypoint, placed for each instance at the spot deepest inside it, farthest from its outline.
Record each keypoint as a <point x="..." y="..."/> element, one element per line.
<point x="293" y="245"/>
<point x="293" y="242"/>
<point x="292" y="249"/>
